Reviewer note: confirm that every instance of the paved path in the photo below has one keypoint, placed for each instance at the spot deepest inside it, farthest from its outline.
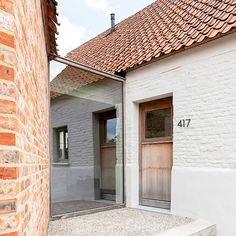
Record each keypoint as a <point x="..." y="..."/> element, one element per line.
<point x="120" y="222"/>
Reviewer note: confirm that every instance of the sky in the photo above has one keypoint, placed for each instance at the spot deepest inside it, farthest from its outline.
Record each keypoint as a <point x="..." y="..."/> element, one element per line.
<point x="82" y="20"/>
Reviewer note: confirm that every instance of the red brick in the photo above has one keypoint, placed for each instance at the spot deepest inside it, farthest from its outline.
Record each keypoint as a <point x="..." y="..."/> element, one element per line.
<point x="24" y="108"/>
<point x="7" y="6"/>
<point x="7" y="107"/>
<point x="7" y="139"/>
<point x="27" y="183"/>
<point x="8" y="173"/>
<point x="10" y="234"/>
<point x="6" y="73"/>
<point x="7" y="39"/>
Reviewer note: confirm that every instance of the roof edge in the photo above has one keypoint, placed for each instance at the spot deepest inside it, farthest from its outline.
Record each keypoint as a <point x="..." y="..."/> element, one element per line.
<point x="49" y="13"/>
<point x="75" y="64"/>
<point x="183" y="49"/>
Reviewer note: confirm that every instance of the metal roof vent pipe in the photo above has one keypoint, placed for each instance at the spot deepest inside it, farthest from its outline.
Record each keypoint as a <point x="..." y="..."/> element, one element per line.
<point x="113" y="23"/>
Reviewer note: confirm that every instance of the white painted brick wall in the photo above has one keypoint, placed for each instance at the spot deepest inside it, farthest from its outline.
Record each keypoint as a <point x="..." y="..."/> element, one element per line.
<point x="203" y="83"/>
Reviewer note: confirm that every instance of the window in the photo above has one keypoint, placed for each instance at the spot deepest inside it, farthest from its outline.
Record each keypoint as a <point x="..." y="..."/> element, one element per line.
<point x="158" y="123"/>
<point x="62" y="144"/>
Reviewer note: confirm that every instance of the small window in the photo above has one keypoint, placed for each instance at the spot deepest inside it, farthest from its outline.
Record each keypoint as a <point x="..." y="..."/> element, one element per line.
<point x="110" y="131"/>
<point x="62" y="144"/>
<point x="158" y="123"/>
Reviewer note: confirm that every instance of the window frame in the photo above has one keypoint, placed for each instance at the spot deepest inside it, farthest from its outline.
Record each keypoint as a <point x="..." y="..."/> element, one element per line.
<point x="165" y="103"/>
<point x="63" y="129"/>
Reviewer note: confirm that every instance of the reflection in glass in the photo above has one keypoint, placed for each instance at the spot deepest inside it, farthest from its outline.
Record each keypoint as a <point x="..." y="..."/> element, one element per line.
<point x="91" y="106"/>
<point x="158" y="123"/>
<point x="110" y="135"/>
<point x="62" y="144"/>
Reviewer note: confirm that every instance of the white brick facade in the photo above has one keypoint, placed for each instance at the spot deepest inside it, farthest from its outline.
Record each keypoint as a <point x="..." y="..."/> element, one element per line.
<point x="202" y="82"/>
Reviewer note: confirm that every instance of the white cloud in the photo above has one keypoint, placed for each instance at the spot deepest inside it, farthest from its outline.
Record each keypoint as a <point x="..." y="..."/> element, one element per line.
<point x="70" y="35"/>
<point x="99" y="4"/>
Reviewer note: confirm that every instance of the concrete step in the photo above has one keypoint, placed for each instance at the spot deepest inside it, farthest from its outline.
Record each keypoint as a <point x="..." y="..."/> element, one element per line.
<point x="195" y="228"/>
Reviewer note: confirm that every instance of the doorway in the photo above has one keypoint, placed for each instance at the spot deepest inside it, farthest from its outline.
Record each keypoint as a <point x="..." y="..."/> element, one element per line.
<point x="156" y="153"/>
<point x="108" y="123"/>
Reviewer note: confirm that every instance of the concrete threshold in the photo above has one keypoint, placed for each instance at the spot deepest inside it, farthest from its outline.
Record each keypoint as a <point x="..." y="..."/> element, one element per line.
<point x="195" y="228"/>
<point x="86" y="212"/>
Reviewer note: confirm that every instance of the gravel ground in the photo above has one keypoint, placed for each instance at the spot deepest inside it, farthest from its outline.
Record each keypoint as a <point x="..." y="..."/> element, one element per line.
<point x="120" y="222"/>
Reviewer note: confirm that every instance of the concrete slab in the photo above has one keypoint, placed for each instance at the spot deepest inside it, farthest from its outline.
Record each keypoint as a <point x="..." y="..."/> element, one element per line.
<point x="195" y="228"/>
<point x="61" y="208"/>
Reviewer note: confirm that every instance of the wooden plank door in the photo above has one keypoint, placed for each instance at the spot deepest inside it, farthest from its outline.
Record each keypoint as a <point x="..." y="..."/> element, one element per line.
<point x="156" y="153"/>
<point x="108" y="154"/>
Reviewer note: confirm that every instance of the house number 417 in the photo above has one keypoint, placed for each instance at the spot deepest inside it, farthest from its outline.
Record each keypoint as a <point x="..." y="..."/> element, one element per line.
<point x="184" y="123"/>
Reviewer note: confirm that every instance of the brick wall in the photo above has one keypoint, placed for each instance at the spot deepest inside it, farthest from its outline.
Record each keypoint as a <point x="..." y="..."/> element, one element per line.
<point x="202" y="83"/>
<point x="24" y="154"/>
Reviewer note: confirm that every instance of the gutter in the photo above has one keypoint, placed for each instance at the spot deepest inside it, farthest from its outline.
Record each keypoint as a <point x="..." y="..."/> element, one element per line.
<point x="86" y="68"/>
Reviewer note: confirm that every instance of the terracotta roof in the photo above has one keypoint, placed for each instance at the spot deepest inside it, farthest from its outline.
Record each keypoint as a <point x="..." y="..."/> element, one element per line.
<point x="159" y="29"/>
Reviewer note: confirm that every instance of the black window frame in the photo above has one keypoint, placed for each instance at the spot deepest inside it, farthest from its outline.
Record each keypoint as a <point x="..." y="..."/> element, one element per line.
<point x="63" y="129"/>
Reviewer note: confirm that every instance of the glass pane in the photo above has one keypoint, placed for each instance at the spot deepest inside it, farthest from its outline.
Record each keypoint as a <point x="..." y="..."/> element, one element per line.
<point x="66" y="145"/>
<point x="66" y="134"/>
<point x="158" y="123"/>
<point x="110" y="135"/>
<point x="90" y="106"/>
<point x="61" y="145"/>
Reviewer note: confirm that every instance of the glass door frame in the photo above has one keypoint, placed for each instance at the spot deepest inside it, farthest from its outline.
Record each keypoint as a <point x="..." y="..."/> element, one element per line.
<point x="106" y="75"/>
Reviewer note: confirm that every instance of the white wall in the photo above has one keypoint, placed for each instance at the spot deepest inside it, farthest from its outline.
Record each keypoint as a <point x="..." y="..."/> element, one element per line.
<point x="202" y="81"/>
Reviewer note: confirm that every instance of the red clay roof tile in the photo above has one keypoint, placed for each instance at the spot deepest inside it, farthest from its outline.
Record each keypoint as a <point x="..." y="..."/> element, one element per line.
<point x="161" y="28"/>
